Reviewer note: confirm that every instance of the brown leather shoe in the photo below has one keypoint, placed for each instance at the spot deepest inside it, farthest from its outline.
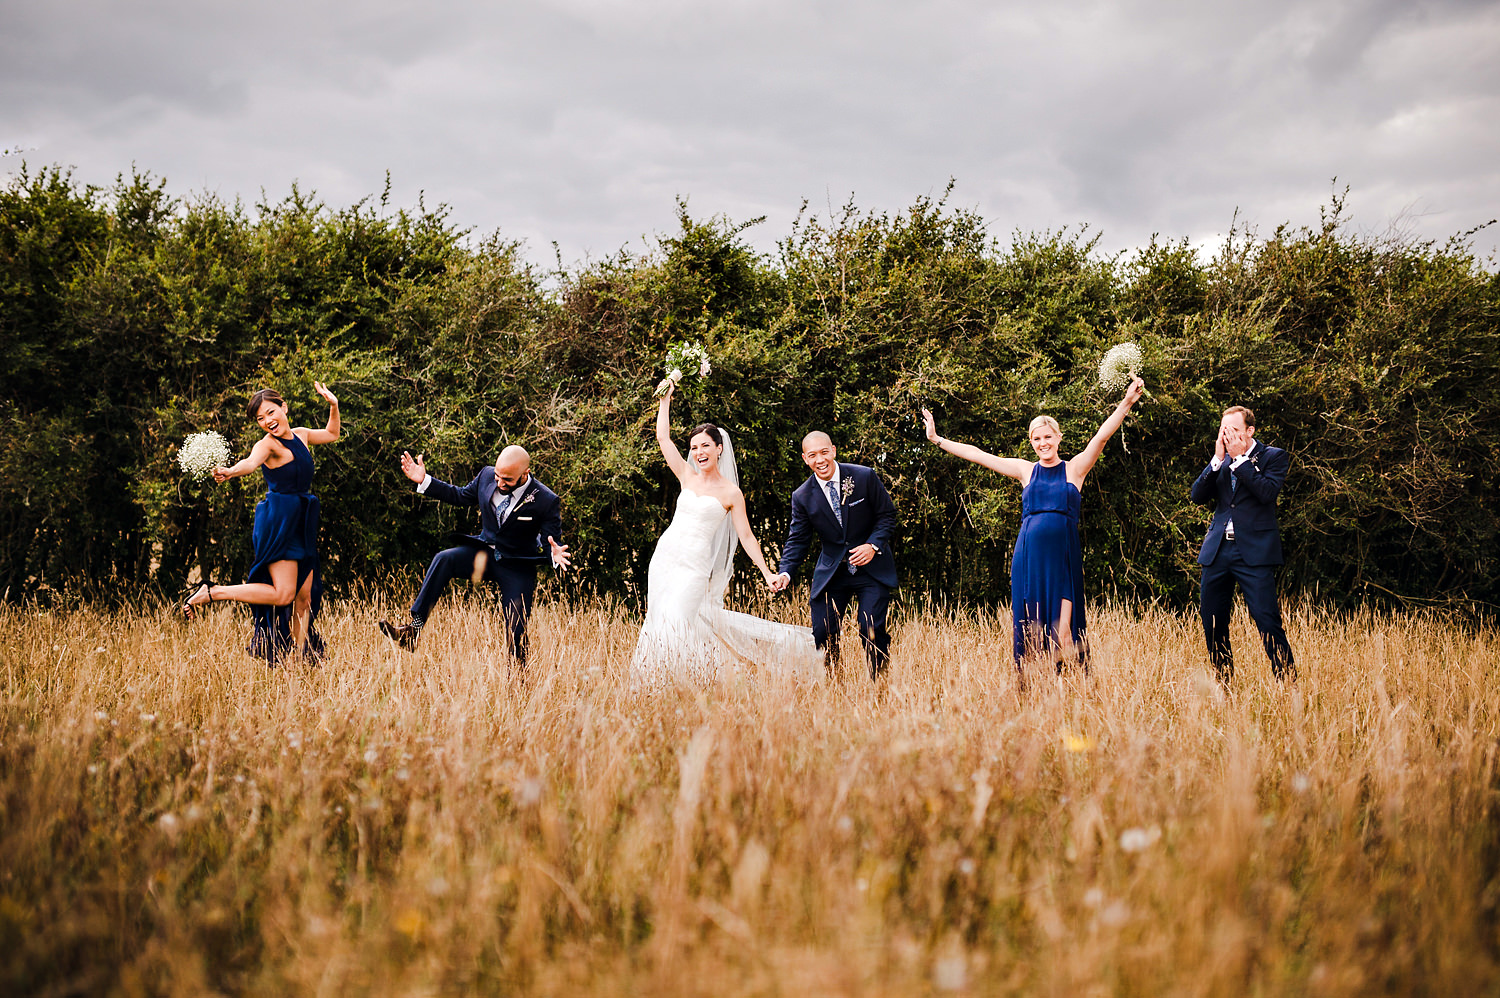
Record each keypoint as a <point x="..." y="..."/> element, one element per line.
<point x="404" y="635"/>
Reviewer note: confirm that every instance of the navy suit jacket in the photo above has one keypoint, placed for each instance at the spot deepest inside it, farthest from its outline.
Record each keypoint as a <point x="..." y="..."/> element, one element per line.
<point x="869" y="518"/>
<point x="1252" y="505"/>
<point x="524" y="534"/>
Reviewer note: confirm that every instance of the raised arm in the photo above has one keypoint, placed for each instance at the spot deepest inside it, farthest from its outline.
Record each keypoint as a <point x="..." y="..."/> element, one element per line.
<point x="256" y="458"/>
<point x="664" y="434"/>
<point x="1010" y="466"/>
<point x="329" y="433"/>
<point x="747" y="538"/>
<point x="1083" y="462"/>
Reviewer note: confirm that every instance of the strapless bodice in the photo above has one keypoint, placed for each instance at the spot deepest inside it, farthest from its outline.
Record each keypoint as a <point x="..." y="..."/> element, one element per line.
<point x="696" y="521"/>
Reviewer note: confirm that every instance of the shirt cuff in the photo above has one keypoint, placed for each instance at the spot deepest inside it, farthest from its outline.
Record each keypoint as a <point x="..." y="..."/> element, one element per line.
<point x="1215" y="463"/>
<point x="426" y="481"/>
<point x="1239" y="461"/>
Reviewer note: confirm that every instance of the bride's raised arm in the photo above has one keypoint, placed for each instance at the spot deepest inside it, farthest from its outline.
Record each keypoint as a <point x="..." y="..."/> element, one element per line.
<point x="747" y="537"/>
<point x="664" y="435"/>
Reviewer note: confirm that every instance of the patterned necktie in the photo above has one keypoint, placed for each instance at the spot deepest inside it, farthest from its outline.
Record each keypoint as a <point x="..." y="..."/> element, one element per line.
<point x="502" y="507"/>
<point x="833" y="497"/>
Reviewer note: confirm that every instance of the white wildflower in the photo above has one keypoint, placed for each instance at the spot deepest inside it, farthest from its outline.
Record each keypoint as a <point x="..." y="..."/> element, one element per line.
<point x="1139" y="839"/>
<point x="201" y="453"/>
<point x="950" y="972"/>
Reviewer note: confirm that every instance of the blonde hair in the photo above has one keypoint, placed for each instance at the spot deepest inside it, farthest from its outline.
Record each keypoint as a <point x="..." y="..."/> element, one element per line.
<point x="1044" y="420"/>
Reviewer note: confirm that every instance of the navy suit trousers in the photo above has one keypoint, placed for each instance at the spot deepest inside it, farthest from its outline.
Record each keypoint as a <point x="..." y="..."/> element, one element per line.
<point x="1258" y="585"/>
<point x="516" y="579"/>
<point x="874" y="599"/>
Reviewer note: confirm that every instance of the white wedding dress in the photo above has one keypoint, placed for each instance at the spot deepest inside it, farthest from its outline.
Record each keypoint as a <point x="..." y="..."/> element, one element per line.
<point x="688" y="636"/>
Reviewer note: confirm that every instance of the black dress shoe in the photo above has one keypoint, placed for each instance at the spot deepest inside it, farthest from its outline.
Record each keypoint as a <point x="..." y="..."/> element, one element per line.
<point x="404" y="635"/>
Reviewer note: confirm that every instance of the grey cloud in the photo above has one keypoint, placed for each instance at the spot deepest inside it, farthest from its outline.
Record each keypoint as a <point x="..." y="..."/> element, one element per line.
<point x="581" y="121"/>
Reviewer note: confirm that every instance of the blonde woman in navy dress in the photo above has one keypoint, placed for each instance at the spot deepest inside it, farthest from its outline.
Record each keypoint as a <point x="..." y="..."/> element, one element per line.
<point x="1046" y="571"/>
<point x="284" y="588"/>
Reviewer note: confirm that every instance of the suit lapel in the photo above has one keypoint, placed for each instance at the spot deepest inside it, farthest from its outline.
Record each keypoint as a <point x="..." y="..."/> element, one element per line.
<point x="487" y="502"/>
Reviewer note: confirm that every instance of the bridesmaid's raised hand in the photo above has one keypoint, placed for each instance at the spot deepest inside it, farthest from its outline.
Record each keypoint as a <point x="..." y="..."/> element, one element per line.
<point x="930" y="424"/>
<point x="322" y="390"/>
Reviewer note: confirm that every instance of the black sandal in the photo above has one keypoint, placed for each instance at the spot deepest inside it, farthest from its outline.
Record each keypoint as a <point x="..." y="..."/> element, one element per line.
<point x="189" y="609"/>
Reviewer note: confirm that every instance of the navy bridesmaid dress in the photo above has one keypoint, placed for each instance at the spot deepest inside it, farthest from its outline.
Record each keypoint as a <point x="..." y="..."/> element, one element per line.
<point x="286" y="529"/>
<point x="1047" y="567"/>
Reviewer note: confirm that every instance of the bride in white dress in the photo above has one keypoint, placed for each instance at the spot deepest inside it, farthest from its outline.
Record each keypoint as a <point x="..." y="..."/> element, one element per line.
<point x="688" y="636"/>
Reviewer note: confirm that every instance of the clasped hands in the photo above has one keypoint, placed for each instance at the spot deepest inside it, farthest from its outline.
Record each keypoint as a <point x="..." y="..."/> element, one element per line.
<point x="859" y="556"/>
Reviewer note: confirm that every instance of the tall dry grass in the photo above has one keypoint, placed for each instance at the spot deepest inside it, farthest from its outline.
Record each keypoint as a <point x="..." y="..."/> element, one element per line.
<point x="179" y="820"/>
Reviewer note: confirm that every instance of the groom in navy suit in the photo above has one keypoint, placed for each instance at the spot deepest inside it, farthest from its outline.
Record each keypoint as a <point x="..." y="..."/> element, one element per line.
<point x="520" y="519"/>
<point x="1243" y="544"/>
<point x="848" y="508"/>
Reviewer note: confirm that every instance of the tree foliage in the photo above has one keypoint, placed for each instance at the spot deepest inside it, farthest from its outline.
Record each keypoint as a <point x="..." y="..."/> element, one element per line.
<point x="130" y="318"/>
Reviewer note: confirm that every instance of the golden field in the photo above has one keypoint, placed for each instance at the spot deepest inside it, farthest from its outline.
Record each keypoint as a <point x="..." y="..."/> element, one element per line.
<point x="175" y="819"/>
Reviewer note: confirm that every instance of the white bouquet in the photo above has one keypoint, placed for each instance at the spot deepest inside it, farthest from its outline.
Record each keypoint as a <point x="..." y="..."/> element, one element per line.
<point x="1120" y="365"/>
<point x="201" y="453"/>
<point x="684" y="358"/>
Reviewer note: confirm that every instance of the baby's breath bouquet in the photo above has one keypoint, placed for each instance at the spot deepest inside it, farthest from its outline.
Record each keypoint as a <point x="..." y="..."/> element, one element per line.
<point x="1120" y="365"/>
<point x="684" y="358"/>
<point x="201" y="453"/>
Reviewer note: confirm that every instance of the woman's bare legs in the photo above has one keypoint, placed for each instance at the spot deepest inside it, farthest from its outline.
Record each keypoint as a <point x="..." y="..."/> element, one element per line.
<point x="280" y="592"/>
<point x="302" y="612"/>
<point x="1066" y="650"/>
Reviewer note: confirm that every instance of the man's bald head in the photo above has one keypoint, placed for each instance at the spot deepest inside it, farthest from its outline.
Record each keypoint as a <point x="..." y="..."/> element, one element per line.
<point x="816" y="440"/>
<point x="819" y="454"/>
<point x="512" y="467"/>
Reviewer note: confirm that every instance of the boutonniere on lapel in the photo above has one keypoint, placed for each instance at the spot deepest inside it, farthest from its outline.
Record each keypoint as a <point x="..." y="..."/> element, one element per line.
<point x="530" y="497"/>
<point x="846" y="489"/>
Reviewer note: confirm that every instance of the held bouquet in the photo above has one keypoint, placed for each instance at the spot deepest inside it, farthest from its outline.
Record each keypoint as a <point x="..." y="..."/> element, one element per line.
<point x="201" y="453"/>
<point x="684" y="358"/>
<point x="1121" y="363"/>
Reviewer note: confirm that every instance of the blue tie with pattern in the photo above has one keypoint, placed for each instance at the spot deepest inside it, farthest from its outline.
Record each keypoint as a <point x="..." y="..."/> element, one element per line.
<point x="502" y="507"/>
<point x="833" y="497"/>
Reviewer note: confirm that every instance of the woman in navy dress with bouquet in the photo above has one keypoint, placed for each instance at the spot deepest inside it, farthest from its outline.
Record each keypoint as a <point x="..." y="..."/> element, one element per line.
<point x="283" y="587"/>
<point x="1046" y="572"/>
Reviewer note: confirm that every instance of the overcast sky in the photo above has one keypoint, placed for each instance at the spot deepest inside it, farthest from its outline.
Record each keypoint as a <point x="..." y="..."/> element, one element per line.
<point x="580" y="121"/>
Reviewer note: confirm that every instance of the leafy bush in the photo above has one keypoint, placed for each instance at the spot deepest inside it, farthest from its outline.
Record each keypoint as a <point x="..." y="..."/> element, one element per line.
<point x="129" y="318"/>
